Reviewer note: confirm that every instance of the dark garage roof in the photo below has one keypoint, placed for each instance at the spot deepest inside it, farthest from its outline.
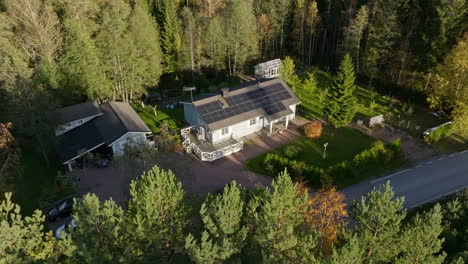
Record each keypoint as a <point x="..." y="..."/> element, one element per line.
<point x="76" y="141"/>
<point x="116" y="120"/>
<point x="270" y="98"/>
<point x="76" y="112"/>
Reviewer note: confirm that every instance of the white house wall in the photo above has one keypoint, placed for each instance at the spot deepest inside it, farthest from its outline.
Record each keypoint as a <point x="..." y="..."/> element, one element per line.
<point x="238" y="130"/>
<point x="118" y="146"/>
<point x="63" y="128"/>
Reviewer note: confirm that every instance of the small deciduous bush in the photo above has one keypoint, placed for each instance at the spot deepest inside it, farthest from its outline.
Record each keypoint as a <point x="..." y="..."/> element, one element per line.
<point x="438" y="134"/>
<point x="313" y="130"/>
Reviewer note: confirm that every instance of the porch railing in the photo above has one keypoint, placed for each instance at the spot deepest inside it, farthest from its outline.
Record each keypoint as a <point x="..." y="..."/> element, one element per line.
<point x="212" y="155"/>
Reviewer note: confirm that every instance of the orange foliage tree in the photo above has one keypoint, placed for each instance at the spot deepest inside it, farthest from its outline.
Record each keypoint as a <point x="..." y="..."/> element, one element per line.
<point x="326" y="212"/>
<point x="313" y="130"/>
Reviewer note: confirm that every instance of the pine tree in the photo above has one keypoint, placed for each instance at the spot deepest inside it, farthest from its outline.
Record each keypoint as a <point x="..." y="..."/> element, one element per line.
<point x="100" y="233"/>
<point x="341" y="103"/>
<point x="421" y="236"/>
<point x="224" y="227"/>
<point x="157" y="213"/>
<point x="280" y="218"/>
<point x="24" y="239"/>
<point x="378" y="220"/>
<point x="350" y="253"/>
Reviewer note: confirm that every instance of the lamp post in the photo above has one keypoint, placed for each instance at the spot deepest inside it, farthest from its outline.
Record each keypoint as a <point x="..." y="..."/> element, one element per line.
<point x="325" y="150"/>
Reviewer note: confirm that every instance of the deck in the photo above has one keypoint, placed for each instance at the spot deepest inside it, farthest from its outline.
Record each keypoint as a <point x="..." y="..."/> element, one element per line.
<point x="206" y="150"/>
<point x="207" y="146"/>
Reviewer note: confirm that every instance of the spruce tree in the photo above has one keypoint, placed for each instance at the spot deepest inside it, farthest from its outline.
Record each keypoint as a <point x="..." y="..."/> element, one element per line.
<point x="280" y="233"/>
<point x="170" y="35"/>
<point x="81" y="70"/>
<point x="340" y="102"/>
<point x="224" y="227"/>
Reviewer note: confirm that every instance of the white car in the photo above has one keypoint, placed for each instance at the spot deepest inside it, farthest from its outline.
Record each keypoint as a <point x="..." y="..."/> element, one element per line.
<point x="428" y="131"/>
<point x="65" y="229"/>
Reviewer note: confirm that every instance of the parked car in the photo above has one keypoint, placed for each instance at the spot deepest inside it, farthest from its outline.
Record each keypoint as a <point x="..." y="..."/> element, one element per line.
<point x="103" y="161"/>
<point x="65" y="229"/>
<point x="63" y="209"/>
<point x="428" y="131"/>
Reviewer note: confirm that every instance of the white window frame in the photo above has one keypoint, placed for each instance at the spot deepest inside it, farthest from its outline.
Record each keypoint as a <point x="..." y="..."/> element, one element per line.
<point x="224" y="129"/>
<point x="254" y="121"/>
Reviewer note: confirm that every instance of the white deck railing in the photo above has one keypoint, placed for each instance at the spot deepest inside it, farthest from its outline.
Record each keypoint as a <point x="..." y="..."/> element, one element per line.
<point x="212" y="155"/>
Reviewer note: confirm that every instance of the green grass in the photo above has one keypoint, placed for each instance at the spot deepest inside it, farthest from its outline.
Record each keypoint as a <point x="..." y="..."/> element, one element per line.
<point x="173" y="117"/>
<point x="370" y="103"/>
<point x="452" y="143"/>
<point x="37" y="184"/>
<point x="343" y="144"/>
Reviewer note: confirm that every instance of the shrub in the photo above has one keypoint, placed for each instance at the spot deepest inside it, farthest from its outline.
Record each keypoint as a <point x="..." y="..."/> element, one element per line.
<point x="341" y="170"/>
<point x="438" y="134"/>
<point x="326" y="180"/>
<point x="292" y="151"/>
<point x="313" y="130"/>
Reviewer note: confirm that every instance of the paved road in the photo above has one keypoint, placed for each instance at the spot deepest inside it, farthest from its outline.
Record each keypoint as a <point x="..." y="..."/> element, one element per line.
<point x="425" y="182"/>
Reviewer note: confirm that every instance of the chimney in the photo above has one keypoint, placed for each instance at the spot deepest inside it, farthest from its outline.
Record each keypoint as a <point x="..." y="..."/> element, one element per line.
<point x="225" y="92"/>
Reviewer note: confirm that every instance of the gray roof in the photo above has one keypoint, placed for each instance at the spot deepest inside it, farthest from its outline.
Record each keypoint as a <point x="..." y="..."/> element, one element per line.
<point x="116" y="120"/>
<point x="76" y="112"/>
<point x="270" y="98"/>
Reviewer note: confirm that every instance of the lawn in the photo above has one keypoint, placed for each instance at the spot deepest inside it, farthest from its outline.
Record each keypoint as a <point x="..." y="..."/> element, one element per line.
<point x="343" y="144"/>
<point x="409" y="117"/>
<point x="37" y="184"/>
<point x="173" y="117"/>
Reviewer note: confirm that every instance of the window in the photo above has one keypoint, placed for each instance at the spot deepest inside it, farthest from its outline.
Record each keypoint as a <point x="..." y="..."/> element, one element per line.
<point x="253" y="121"/>
<point x="225" y="131"/>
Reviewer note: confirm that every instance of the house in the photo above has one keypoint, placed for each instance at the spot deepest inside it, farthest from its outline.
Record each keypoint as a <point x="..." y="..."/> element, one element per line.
<point x="269" y="69"/>
<point x="219" y="121"/>
<point x="85" y="127"/>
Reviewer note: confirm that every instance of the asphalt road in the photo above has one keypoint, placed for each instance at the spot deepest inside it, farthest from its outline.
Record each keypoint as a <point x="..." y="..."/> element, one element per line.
<point x="425" y="182"/>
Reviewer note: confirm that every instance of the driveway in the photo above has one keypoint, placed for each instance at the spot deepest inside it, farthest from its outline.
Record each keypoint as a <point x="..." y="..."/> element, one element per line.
<point x="423" y="183"/>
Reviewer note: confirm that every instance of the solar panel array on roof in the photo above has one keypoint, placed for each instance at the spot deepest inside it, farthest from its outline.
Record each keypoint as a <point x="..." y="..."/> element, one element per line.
<point x="268" y="98"/>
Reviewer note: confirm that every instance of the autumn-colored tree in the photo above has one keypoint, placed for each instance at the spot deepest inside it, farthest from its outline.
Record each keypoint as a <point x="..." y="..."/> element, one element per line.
<point x="313" y="130"/>
<point x="9" y="158"/>
<point x="326" y="212"/>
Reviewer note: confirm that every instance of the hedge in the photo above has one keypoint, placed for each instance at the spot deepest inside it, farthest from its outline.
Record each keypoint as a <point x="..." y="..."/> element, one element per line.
<point x="378" y="155"/>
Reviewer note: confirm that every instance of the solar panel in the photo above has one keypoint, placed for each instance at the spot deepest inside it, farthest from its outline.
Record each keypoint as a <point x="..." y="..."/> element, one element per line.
<point x="269" y="98"/>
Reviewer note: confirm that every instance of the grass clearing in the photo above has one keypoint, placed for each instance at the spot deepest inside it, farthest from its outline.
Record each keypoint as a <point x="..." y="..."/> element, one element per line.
<point x="173" y="117"/>
<point x="343" y="144"/>
<point x="409" y="117"/>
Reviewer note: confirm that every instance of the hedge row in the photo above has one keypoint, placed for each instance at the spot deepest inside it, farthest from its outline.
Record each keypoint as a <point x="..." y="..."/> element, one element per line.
<point x="378" y="155"/>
